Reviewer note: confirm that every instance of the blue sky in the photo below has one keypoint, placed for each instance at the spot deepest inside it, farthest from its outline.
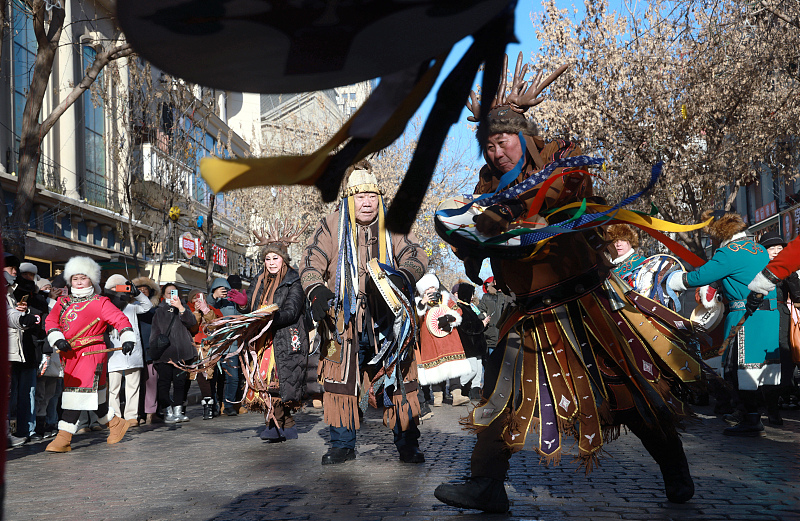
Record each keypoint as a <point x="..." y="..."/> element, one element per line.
<point x="528" y="44"/>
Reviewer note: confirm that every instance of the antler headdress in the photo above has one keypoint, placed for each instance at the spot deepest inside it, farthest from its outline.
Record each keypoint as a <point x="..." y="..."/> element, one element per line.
<point x="506" y="112"/>
<point x="276" y="237"/>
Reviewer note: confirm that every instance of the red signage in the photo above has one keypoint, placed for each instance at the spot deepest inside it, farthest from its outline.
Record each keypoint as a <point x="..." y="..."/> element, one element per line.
<point x="220" y="255"/>
<point x="766" y="211"/>
<point x="188" y="245"/>
<point x="788" y="219"/>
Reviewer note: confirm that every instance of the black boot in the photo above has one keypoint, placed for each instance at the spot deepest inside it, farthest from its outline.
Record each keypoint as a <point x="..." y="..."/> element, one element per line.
<point x="208" y="408"/>
<point x="336" y="455"/>
<point x="411" y="454"/>
<point x="750" y="427"/>
<point x="667" y="450"/>
<point x="479" y="493"/>
<point x="475" y="393"/>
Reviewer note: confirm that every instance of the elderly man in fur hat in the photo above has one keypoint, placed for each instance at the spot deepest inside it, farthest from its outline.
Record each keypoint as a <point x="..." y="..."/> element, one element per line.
<point x="76" y="326"/>
<point x="558" y="363"/>
<point x="752" y="359"/>
<point x="334" y="275"/>
<point x="627" y="260"/>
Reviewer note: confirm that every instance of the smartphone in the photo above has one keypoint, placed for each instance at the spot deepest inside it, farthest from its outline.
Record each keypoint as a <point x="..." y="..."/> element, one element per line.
<point x="122" y="288"/>
<point x="24" y="299"/>
<point x="173" y="293"/>
<point x="201" y="297"/>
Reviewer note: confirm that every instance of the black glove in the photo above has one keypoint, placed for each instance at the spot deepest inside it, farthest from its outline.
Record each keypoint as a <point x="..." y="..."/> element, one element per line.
<point x="446" y="322"/>
<point x="495" y="219"/>
<point x="127" y="347"/>
<point x="134" y="290"/>
<point x="754" y="301"/>
<point x="319" y="298"/>
<point x="63" y="345"/>
<point x="29" y="319"/>
<point x="398" y="281"/>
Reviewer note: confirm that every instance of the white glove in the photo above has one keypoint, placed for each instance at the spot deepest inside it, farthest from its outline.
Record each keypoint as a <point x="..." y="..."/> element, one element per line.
<point x="675" y="281"/>
<point x="761" y="285"/>
<point x="709" y="297"/>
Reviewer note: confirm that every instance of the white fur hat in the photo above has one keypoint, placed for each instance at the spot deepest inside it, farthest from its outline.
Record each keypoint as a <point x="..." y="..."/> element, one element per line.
<point x="115" y="280"/>
<point x="82" y="266"/>
<point x="429" y="280"/>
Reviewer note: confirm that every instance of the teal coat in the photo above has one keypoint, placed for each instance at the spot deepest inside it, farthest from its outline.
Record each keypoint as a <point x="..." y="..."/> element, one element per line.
<point x="735" y="265"/>
<point x="628" y="268"/>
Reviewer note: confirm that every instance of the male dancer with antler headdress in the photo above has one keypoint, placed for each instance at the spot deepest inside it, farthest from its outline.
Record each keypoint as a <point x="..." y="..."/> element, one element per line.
<point x="349" y="299"/>
<point x="576" y="355"/>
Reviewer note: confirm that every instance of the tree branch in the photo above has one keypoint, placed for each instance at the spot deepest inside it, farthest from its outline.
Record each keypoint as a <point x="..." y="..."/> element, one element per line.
<point x="100" y="61"/>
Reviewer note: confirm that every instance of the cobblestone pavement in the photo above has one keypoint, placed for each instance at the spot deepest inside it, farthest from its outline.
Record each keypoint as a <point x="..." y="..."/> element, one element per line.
<point x="220" y="470"/>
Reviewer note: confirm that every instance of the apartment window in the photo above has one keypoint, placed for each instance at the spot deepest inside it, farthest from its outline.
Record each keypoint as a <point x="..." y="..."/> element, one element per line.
<point x="49" y="223"/>
<point x="66" y="227"/>
<point x="112" y="239"/>
<point x="24" y="54"/>
<point x="83" y="232"/>
<point x="94" y="147"/>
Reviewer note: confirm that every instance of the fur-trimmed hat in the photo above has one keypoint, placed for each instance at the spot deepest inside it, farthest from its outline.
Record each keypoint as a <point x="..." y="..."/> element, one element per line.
<point x="506" y="120"/>
<point x="360" y="179"/>
<point x="155" y="290"/>
<point x="115" y="280"/>
<point x="28" y="267"/>
<point x="429" y="280"/>
<point x="725" y="224"/>
<point x="622" y="232"/>
<point x="82" y="266"/>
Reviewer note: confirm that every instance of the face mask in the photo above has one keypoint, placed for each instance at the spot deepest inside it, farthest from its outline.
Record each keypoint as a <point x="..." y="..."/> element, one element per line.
<point x="9" y="278"/>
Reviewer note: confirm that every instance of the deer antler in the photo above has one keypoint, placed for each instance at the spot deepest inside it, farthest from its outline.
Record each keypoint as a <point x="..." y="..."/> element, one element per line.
<point x="521" y="97"/>
<point x="284" y="232"/>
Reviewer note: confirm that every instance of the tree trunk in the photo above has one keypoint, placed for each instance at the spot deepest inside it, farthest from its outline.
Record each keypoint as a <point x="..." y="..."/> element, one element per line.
<point x="31" y="138"/>
<point x="209" y="238"/>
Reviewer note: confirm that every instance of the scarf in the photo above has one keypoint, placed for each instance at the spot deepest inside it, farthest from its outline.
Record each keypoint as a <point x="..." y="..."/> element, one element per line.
<point x="83" y="292"/>
<point x="272" y="282"/>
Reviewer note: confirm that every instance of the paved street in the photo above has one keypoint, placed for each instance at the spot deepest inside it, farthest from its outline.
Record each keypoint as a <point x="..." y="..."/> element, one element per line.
<point x="220" y="469"/>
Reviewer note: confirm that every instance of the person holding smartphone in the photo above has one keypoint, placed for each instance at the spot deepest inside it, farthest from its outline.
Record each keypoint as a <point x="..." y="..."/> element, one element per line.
<point x="219" y="298"/>
<point x="176" y="322"/>
<point x="204" y="314"/>
<point x="122" y="367"/>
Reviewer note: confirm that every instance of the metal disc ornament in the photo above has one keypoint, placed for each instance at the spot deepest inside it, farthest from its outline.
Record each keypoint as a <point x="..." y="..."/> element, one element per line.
<point x="279" y="46"/>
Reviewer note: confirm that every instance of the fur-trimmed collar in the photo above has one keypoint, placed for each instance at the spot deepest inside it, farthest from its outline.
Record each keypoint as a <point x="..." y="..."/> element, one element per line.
<point x="736" y="237"/>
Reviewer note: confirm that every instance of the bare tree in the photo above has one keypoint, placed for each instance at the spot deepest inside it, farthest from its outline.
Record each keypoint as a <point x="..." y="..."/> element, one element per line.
<point x="709" y="89"/>
<point x="47" y="26"/>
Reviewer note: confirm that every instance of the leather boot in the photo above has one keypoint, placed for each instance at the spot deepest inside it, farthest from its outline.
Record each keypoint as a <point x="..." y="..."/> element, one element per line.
<point x="479" y="493"/>
<point x="750" y="427"/>
<point x="438" y="398"/>
<point x="61" y="443"/>
<point x="411" y="454"/>
<point x="475" y="393"/>
<point x="336" y="455"/>
<point x="458" y="398"/>
<point x="208" y="408"/>
<point x="118" y="428"/>
<point x="667" y="451"/>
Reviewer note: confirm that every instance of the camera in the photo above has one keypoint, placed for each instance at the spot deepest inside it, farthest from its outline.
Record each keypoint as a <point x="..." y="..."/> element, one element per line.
<point x="436" y="298"/>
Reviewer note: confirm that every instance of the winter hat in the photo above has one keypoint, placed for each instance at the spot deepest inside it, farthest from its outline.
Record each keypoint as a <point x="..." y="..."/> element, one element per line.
<point x="115" y="280"/>
<point x="27" y="267"/>
<point x="235" y="281"/>
<point x="772" y="239"/>
<point x="725" y="224"/>
<point x="11" y="261"/>
<point x="622" y="232"/>
<point x="82" y="266"/>
<point x="486" y="283"/>
<point x="362" y="180"/>
<point x="465" y="291"/>
<point x="41" y="283"/>
<point x="59" y="281"/>
<point x="155" y="291"/>
<point x="219" y="282"/>
<point x="192" y="294"/>
<point x="429" y="280"/>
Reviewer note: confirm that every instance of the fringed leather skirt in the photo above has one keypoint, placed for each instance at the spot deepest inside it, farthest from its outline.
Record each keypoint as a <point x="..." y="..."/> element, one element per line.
<point x="566" y="370"/>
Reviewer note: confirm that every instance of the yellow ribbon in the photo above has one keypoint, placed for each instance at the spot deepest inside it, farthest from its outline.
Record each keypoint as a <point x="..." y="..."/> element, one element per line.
<point x="229" y="174"/>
